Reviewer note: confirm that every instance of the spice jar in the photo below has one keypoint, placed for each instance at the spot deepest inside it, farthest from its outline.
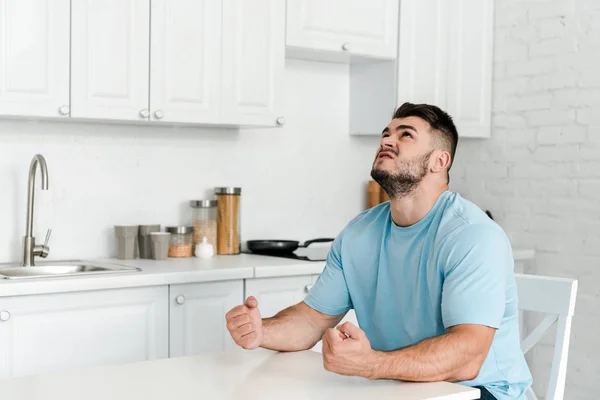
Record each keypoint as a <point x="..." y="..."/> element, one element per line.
<point x="228" y="220"/>
<point x="180" y="243"/>
<point x="204" y="221"/>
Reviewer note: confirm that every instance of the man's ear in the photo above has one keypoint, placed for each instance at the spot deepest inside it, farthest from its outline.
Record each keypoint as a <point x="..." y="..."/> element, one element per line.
<point x="442" y="161"/>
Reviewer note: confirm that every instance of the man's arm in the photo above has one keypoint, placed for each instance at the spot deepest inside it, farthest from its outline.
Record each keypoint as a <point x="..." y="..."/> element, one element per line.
<point x="455" y="356"/>
<point x="295" y="328"/>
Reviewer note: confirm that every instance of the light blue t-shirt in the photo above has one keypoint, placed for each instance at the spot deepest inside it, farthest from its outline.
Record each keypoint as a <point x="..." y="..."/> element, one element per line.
<point x="406" y="284"/>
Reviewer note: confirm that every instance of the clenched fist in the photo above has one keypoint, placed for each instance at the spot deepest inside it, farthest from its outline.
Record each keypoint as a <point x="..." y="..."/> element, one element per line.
<point x="245" y="324"/>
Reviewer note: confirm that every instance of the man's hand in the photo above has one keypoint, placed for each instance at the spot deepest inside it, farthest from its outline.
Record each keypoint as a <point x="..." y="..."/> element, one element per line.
<point x="347" y="351"/>
<point x="245" y="324"/>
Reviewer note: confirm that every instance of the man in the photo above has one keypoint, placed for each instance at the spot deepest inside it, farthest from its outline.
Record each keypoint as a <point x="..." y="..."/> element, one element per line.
<point x="429" y="275"/>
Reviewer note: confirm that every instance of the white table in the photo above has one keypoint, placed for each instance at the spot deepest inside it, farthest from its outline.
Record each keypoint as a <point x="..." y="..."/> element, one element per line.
<point x="258" y="374"/>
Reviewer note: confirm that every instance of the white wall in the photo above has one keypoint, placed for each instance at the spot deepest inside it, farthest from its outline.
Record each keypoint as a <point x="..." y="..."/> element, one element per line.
<point x="540" y="172"/>
<point x="302" y="181"/>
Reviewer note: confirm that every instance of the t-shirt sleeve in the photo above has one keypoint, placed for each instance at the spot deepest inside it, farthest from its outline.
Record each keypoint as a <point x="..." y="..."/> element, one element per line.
<point x="329" y="294"/>
<point x="477" y="263"/>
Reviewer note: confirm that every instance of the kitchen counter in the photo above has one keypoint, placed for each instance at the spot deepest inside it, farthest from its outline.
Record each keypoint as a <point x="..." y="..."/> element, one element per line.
<point x="259" y="374"/>
<point x="175" y="271"/>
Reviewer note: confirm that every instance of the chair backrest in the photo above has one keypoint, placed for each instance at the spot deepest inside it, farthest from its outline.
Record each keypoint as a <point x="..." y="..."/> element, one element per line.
<point x="555" y="297"/>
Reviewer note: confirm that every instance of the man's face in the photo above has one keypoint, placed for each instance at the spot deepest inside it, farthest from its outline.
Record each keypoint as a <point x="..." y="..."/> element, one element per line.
<point x="402" y="158"/>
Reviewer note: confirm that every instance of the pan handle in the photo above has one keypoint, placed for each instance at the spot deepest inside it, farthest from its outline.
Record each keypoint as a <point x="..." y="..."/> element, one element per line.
<point x="319" y="240"/>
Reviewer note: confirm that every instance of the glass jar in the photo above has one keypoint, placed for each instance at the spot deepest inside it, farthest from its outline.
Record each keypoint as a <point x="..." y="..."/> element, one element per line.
<point x="181" y="241"/>
<point x="204" y="221"/>
<point x="228" y="220"/>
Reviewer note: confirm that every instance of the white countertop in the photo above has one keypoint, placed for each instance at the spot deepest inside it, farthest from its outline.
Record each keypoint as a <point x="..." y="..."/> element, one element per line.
<point x="258" y="374"/>
<point x="174" y="271"/>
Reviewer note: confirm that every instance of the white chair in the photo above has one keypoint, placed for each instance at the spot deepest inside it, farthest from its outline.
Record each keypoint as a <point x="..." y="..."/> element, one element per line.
<point x="555" y="297"/>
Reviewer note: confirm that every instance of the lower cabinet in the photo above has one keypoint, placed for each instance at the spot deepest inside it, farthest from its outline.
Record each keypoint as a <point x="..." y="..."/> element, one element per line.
<point x="197" y="316"/>
<point x="54" y="332"/>
<point x="57" y="332"/>
<point x="275" y="294"/>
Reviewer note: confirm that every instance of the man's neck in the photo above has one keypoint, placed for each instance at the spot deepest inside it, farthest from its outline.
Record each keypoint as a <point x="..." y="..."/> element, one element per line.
<point x="410" y="209"/>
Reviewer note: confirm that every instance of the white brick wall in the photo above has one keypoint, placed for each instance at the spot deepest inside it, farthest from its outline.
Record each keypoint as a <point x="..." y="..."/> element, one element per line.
<point x="540" y="171"/>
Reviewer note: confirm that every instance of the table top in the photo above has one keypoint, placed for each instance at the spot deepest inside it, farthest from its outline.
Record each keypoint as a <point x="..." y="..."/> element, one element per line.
<point x="258" y="374"/>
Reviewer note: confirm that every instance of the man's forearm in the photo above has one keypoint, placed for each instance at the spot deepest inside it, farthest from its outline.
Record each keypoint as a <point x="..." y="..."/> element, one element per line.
<point x="449" y="357"/>
<point x="291" y="330"/>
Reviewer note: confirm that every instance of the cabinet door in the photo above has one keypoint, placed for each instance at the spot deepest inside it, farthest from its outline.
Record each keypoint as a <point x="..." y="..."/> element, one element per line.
<point x="109" y="59"/>
<point x="198" y="311"/>
<point x="54" y="332"/>
<point x="422" y="57"/>
<point x="368" y="28"/>
<point x="470" y="47"/>
<point x="185" y="68"/>
<point x="34" y="57"/>
<point x="253" y="62"/>
<point x="275" y="294"/>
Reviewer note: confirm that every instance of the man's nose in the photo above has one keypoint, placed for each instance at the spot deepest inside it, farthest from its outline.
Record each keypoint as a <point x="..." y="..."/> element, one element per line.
<point x="387" y="142"/>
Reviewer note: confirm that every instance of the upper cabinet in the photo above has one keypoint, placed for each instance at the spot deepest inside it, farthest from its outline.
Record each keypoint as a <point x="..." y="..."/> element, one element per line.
<point x="109" y="59"/>
<point x="470" y="63"/>
<point x="343" y="27"/>
<point x="34" y="58"/>
<point x="448" y="62"/>
<point x="253" y="61"/>
<point x="217" y="62"/>
<point x="185" y="66"/>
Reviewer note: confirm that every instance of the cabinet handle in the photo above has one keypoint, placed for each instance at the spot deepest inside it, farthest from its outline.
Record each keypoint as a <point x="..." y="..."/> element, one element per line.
<point x="280" y="121"/>
<point x="145" y="113"/>
<point x="4" y="316"/>
<point x="180" y="299"/>
<point x="307" y="288"/>
<point x="159" y="114"/>
<point x="64" y="110"/>
<point x="346" y="47"/>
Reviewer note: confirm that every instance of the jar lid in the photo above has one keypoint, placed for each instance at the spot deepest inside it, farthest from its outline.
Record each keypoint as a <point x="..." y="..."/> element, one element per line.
<point x="228" y="190"/>
<point x="179" y="229"/>
<point x="203" y="203"/>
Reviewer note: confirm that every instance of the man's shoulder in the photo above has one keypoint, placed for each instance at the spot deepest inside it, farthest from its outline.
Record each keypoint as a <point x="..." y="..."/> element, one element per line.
<point x="466" y="223"/>
<point x="462" y="214"/>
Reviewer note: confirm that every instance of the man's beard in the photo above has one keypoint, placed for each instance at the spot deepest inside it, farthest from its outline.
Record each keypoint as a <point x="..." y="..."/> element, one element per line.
<point x="403" y="183"/>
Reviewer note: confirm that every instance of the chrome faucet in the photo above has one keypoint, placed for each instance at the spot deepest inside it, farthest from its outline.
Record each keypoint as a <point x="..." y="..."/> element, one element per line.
<point x="30" y="250"/>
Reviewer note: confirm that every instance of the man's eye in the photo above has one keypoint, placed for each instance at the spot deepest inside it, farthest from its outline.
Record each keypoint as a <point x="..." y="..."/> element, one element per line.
<point x="406" y="134"/>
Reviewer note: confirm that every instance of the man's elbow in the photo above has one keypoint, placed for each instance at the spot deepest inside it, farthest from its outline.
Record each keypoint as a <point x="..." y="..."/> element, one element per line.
<point x="470" y="370"/>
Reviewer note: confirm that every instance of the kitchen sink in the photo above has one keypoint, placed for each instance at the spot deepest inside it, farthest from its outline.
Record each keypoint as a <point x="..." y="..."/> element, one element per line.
<point x="62" y="269"/>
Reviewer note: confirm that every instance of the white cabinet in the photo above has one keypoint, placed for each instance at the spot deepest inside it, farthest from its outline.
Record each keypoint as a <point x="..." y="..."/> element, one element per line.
<point x="253" y="62"/>
<point x="423" y="49"/>
<point x="109" y="59"/>
<point x="275" y="294"/>
<point x="179" y="61"/>
<point x="354" y="27"/>
<point x="448" y="61"/>
<point x="185" y="66"/>
<point x="34" y="57"/>
<point x="197" y="316"/>
<point x="470" y="63"/>
<point x="54" y="332"/>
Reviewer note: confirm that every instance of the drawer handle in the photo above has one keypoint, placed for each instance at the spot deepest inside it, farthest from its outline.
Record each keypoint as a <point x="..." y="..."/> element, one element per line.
<point x="4" y="316"/>
<point x="307" y="288"/>
<point x="180" y="299"/>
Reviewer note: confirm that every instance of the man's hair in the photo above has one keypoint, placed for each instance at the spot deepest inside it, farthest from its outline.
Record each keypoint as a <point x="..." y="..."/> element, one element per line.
<point x="443" y="129"/>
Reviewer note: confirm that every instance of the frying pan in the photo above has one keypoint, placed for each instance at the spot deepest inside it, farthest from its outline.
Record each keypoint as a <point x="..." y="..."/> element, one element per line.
<point x="280" y="246"/>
